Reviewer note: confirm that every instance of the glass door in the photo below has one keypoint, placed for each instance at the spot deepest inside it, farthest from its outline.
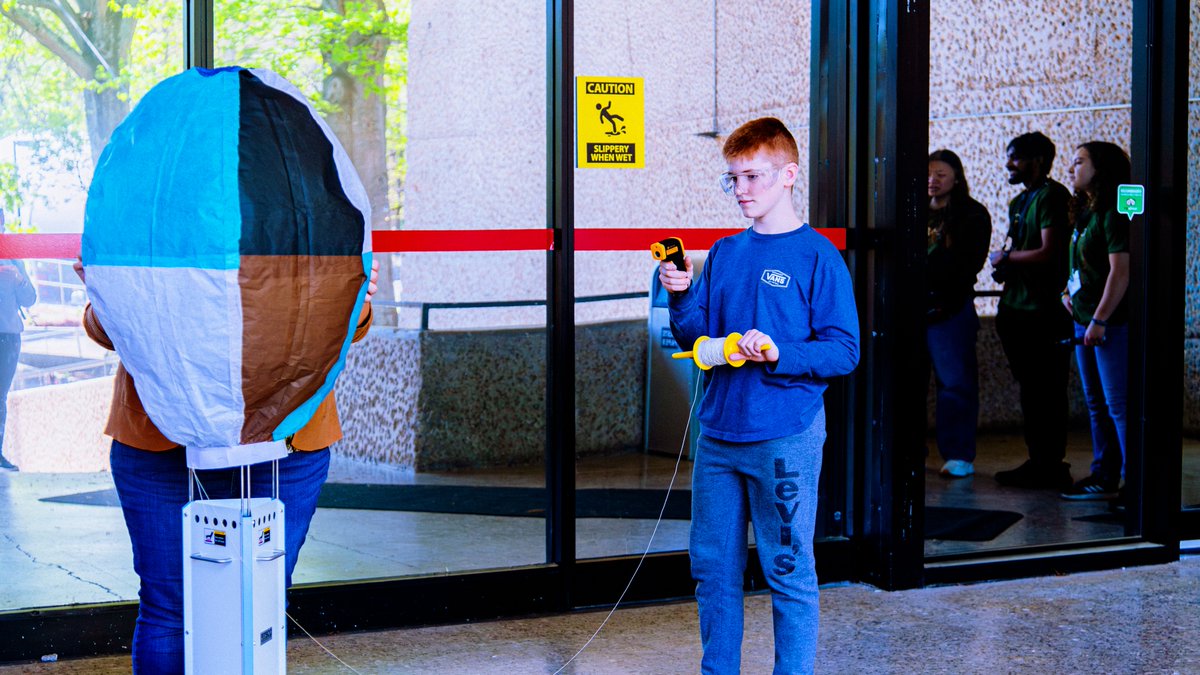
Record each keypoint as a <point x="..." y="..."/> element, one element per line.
<point x="1023" y="450"/>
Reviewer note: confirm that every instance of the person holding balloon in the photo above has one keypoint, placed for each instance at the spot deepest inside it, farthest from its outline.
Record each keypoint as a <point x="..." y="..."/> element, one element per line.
<point x="151" y="476"/>
<point x="226" y="253"/>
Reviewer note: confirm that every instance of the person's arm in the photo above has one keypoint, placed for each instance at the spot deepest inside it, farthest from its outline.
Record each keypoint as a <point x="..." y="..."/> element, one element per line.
<point x="24" y="290"/>
<point x="367" y="315"/>
<point x="689" y="305"/>
<point x="968" y="244"/>
<point x="832" y="347"/>
<point x="1054" y="224"/>
<point x="91" y="325"/>
<point x="1114" y="291"/>
<point x="1053" y="241"/>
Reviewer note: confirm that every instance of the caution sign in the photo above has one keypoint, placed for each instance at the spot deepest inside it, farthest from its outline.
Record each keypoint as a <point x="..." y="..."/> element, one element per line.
<point x="610" y="122"/>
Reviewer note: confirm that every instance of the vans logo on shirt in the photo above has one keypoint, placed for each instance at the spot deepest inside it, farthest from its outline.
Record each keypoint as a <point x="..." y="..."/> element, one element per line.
<point x="775" y="278"/>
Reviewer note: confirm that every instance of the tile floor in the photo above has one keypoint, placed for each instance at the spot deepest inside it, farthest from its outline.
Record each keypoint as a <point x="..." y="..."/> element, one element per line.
<point x="1136" y="620"/>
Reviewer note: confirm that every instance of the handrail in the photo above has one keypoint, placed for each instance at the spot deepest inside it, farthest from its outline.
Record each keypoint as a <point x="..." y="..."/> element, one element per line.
<point x="426" y="307"/>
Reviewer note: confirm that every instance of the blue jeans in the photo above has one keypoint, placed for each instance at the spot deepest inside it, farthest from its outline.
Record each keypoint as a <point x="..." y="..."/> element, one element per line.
<point x="1104" y="373"/>
<point x="10" y="351"/>
<point x="951" y="345"/>
<point x="774" y="484"/>
<point x="153" y="488"/>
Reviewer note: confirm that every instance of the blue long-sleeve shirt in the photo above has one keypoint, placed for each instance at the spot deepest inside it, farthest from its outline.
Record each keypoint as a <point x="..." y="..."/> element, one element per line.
<point x="795" y="288"/>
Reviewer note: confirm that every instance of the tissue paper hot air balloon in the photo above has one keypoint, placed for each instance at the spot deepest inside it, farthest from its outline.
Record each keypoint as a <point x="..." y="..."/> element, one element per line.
<point x="226" y="245"/>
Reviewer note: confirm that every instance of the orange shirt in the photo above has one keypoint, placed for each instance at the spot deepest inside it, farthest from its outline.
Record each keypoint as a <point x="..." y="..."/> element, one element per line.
<point x="129" y="423"/>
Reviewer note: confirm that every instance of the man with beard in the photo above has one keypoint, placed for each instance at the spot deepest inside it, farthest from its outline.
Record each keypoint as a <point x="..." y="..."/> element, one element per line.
<point x="1033" y="268"/>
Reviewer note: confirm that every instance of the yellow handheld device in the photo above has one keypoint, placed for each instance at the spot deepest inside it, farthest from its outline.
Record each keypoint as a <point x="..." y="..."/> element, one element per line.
<point x="671" y="250"/>
<point x="715" y="354"/>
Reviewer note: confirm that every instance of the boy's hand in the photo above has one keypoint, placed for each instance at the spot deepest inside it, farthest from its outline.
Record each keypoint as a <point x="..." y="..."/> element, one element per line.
<point x="750" y="348"/>
<point x="674" y="279"/>
<point x="78" y="267"/>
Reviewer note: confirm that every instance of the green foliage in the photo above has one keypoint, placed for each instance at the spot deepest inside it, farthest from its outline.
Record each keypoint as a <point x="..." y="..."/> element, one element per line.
<point x="10" y="194"/>
<point x="305" y="41"/>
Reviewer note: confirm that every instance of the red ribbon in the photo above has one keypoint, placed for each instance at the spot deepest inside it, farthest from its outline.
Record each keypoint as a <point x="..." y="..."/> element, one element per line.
<point x="66" y="246"/>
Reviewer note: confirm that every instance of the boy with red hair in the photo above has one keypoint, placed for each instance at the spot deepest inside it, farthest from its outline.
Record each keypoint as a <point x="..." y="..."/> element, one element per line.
<point x="786" y="288"/>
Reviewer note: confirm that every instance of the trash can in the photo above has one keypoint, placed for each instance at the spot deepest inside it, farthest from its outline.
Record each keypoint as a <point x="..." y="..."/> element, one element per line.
<point x="671" y="383"/>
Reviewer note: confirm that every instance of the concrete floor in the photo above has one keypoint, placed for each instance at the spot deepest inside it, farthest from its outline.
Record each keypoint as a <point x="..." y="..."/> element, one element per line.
<point x="66" y="554"/>
<point x="1136" y="620"/>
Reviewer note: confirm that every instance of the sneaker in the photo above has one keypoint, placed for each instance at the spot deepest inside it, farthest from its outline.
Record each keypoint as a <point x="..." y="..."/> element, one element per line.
<point x="957" y="468"/>
<point x="1092" y="487"/>
<point x="6" y="465"/>
<point x="1030" y="475"/>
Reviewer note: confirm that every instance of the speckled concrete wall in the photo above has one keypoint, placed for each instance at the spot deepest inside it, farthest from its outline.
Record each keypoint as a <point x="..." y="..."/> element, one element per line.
<point x="483" y="399"/>
<point x="483" y="165"/>
<point x="408" y="401"/>
<point x="39" y="437"/>
<point x="1000" y="69"/>
<point x="1191" y="375"/>
<point x="377" y="397"/>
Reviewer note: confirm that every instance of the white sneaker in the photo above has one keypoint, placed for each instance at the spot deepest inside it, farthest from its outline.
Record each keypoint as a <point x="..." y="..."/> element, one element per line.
<point x="957" y="468"/>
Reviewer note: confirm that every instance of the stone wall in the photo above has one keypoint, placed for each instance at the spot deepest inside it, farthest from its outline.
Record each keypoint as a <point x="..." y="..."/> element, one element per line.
<point x="446" y="400"/>
<point x="477" y="131"/>
<point x="1191" y="374"/>
<point x="58" y="429"/>
<point x="421" y="401"/>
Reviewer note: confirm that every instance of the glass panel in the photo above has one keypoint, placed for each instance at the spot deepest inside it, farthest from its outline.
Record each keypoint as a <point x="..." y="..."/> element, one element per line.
<point x="1191" y="375"/>
<point x="71" y="73"/>
<point x="1066" y="74"/>
<point x="443" y="405"/>
<point x="632" y="421"/>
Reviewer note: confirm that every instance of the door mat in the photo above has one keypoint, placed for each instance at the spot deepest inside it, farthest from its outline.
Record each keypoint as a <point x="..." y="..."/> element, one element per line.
<point x="468" y="500"/>
<point x="958" y="524"/>
<point x="941" y="522"/>
<point x="1108" y="517"/>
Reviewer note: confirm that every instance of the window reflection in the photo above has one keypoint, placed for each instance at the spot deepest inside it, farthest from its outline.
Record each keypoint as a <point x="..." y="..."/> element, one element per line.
<point x="1057" y="86"/>
<point x="632" y="417"/>
<point x="1191" y="378"/>
<point x="72" y="71"/>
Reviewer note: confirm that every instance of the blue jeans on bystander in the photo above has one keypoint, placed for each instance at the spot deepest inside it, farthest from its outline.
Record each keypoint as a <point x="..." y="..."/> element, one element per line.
<point x="774" y="484"/>
<point x="1104" y="373"/>
<point x="153" y="488"/>
<point x="951" y="344"/>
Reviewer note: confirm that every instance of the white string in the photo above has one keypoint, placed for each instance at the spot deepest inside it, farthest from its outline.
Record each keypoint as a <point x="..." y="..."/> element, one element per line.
<point x="712" y="353"/>
<point x="310" y="637"/>
<point x="200" y="487"/>
<point x="649" y="544"/>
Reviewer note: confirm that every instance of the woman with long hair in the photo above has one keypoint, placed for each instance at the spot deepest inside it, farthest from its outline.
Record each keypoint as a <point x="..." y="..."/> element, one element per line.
<point x="959" y="232"/>
<point x="1095" y="296"/>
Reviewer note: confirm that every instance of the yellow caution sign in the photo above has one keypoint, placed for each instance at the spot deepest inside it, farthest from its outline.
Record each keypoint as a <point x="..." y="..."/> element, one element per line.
<point x="610" y="122"/>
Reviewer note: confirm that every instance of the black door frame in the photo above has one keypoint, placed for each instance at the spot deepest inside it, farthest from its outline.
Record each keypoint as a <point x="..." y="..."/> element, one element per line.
<point x="868" y="57"/>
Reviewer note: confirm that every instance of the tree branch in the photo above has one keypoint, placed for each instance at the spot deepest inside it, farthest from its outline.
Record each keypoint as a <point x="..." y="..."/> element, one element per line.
<point x="32" y="24"/>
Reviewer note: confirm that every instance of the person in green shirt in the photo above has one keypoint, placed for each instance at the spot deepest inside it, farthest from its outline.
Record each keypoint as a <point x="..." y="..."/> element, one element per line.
<point x="1095" y="297"/>
<point x="1030" y="320"/>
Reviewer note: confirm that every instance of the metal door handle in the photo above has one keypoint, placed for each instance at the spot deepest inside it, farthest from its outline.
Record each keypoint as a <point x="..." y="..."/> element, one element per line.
<point x="277" y="553"/>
